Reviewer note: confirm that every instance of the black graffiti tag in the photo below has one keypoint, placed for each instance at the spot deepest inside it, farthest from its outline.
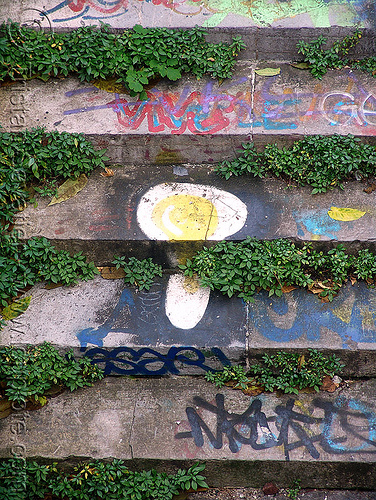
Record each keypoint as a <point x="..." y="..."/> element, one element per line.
<point x="252" y="427"/>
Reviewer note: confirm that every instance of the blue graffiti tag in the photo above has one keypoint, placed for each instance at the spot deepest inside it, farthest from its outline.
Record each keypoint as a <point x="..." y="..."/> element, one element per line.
<point x="137" y="362"/>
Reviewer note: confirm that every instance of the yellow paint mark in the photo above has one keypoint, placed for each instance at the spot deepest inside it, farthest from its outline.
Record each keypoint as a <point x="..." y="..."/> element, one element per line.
<point x="315" y="237"/>
<point x="306" y="412"/>
<point x="344" y="311"/>
<point x="185" y="217"/>
<point x="191" y="284"/>
<point x="367" y="319"/>
<point x="288" y="90"/>
<point x="109" y="85"/>
<point x="345" y="214"/>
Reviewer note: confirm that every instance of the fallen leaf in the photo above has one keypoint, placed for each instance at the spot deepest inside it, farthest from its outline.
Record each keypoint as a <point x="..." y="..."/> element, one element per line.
<point x="268" y="71"/>
<point x="107" y="173"/>
<point x="288" y="289"/>
<point x="111" y="273"/>
<point x="353" y="280"/>
<point x="370" y="189"/>
<point x="5" y="413"/>
<point x="301" y="65"/>
<point x="328" y="385"/>
<point x="345" y="214"/>
<point x="69" y="189"/>
<point x="16" y="308"/>
<point x="253" y="390"/>
<point x="301" y="361"/>
<point x="51" y="286"/>
<point x="5" y="404"/>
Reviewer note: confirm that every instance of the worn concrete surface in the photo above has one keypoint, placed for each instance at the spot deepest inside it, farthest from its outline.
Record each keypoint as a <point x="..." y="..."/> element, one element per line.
<point x="132" y="333"/>
<point x="185" y="13"/>
<point x="284" y="494"/>
<point x="170" y="127"/>
<point x="327" y="440"/>
<point x="169" y="211"/>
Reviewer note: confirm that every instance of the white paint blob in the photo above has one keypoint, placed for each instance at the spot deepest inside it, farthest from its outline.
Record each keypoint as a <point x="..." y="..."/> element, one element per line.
<point x="188" y="212"/>
<point x="186" y="301"/>
<point x="181" y="211"/>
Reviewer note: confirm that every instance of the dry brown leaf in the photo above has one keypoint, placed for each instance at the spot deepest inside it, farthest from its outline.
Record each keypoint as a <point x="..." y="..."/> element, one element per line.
<point x="325" y="300"/>
<point x="107" y="173"/>
<point x="5" y="413"/>
<point x="370" y="189"/>
<point x="288" y="289"/>
<point x="328" y="385"/>
<point x="353" y="280"/>
<point x="51" y="286"/>
<point x="253" y="390"/>
<point x="301" y="361"/>
<point x="5" y="404"/>
<point x="111" y="273"/>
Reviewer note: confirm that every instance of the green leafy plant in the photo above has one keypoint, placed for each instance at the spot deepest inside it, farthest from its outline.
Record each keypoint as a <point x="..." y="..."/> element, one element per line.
<point x="294" y="490"/>
<point x="140" y="273"/>
<point x="135" y="57"/>
<point x="25" y="264"/>
<point x="94" y="481"/>
<point x="290" y="372"/>
<point x="320" y="60"/>
<point x="322" y="162"/>
<point x="39" y="158"/>
<point x="28" y="373"/>
<point x="234" y="373"/>
<point x="334" y="57"/>
<point x="285" y="371"/>
<point x="247" y="267"/>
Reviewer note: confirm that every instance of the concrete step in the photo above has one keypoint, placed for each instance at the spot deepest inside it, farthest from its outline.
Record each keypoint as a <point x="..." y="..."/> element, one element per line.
<point x="126" y="214"/>
<point x="270" y="29"/>
<point x="197" y="121"/>
<point x="177" y="328"/>
<point x="326" y="440"/>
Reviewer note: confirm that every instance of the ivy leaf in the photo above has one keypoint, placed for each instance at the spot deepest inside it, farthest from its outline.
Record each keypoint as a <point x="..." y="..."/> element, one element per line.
<point x="69" y="189"/>
<point x="139" y="29"/>
<point x="173" y="74"/>
<point x="268" y="71"/>
<point x="16" y="308"/>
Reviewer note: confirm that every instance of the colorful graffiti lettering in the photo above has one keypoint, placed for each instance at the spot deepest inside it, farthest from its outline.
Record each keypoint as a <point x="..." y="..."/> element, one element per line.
<point x="289" y="427"/>
<point x="300" y="314"/>
<point x="323" y="13"/>
<point x="89" y="9"/>
<point x="209" y="111"/>
<point x="147" y="361"/>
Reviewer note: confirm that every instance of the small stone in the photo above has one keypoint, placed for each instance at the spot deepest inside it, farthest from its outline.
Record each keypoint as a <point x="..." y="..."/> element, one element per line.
<point x="270" y="489"/>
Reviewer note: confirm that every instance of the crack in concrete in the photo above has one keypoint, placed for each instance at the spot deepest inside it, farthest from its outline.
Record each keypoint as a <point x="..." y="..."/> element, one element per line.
<point x="210" y="218"/>
<point x="131" y="431"/>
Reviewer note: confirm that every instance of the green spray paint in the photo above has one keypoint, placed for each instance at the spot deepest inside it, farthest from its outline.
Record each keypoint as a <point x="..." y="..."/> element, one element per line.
<point x="266" y="12"/>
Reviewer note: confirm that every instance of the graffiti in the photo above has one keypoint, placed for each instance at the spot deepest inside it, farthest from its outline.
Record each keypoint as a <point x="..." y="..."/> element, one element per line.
<point x="300" y="315"/>
<point x="188" y="212"/>
<point x="322" y="13"/>
<point x="89" y="9"/>
<point x="147" y="361"/>
<point x="318" y="223"/>
<point x="140" y="318"/>
<point x="342" y="426"/>
<point x="209" y="111"/>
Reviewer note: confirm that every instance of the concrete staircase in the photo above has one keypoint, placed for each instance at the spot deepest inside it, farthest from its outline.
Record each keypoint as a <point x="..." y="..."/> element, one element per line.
<point x="167" y="146"/>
